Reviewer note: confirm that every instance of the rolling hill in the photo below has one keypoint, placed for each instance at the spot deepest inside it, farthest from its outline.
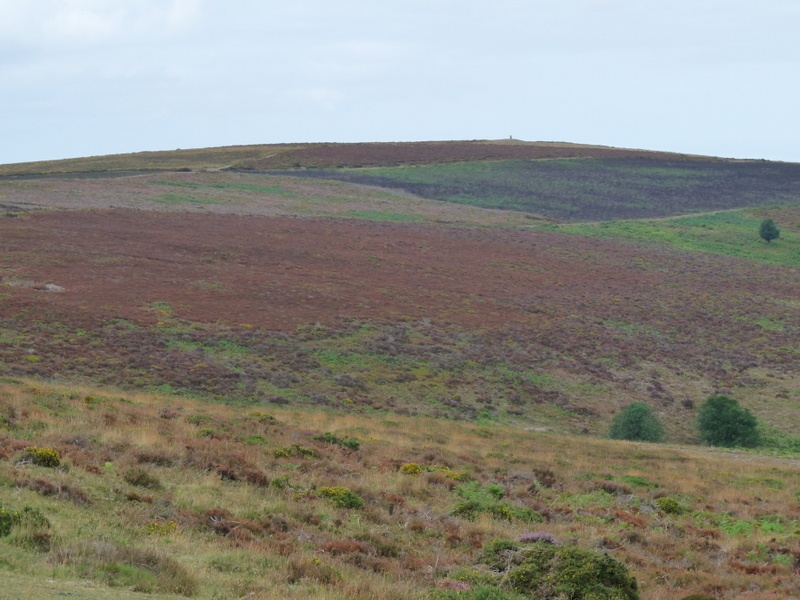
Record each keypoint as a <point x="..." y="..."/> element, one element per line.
<point x="218" y="308"/>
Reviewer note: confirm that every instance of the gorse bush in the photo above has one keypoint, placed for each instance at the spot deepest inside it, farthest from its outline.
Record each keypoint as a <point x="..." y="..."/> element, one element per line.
<point x="43" y="457"/>
<point x="341" y="497"/>
<point x="410" y="469"/>
<point x="722" y="422"/>
<point x="637" y="422"/>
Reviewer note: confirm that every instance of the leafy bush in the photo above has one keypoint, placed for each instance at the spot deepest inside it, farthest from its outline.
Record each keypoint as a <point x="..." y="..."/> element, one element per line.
<point x="44" y="457"/>
<point x="637" y="422"/>
<point x="547" y="571"/>
<point x="722" y="422"/>
<point x="669" y="505"/>
<point x="341" y="497"/>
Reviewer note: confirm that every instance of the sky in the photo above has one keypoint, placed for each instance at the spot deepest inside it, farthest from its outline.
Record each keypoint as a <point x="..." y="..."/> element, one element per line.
<point x="93" y="77"/>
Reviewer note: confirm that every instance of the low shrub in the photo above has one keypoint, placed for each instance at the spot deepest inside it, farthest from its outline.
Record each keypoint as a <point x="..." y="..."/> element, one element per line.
<point x="43" y="457"/>
<point x="549" y="572"/>
<point x="141" y="478"/>
<point x="329" y="438"/>
<point x="410" y="469"/>
<point x="500" y="554"/>
<point x="295" y="450"/>
<point x="341" y="497"/>
<point x="300" y="568"/>
<point x="28" y="528"/>
<point x="669" y="505"/>
<point x="539" y="536"/>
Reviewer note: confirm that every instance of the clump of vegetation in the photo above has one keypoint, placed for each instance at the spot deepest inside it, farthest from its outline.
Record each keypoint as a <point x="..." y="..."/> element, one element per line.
<point x="311" y="569"/>
<point x="486" y="499"/>
<point x="341" y="497"/>
<point x="141" y="478"/>
<point x="722" y="422"/>
<point x="124" y="566"/>
<point x="637" y="422"/>
<point x="410" y="469"/>
<point x="539" y="536"/>
<point x="28" y="528"/>
<point x="43" y="457"/>
<point x="769" y="231"/>
<point x="330" y="438"/>
<point x="547" y="571"/>
<point x="295" y="450"/>
<point x="669" y="505"/>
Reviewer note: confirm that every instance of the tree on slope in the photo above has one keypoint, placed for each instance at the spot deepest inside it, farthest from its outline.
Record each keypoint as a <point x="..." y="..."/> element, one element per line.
<point x="769" y="231"/>
<point x="722" y="422"/>
<point x="637" y="422"/>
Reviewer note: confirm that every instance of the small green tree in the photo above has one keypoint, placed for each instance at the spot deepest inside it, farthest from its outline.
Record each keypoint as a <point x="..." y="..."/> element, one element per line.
<point x="722" y="422"/>
<point x="637" y="422"/>
<point x="769" y="231"/>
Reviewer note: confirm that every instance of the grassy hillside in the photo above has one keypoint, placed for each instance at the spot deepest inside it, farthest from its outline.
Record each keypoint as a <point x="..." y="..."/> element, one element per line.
<point x="285" y="385"/>
<point x="318" y="155"/>
<point x="592" y="189"/>
<point x="495" y="325"/>
<point x="164" y="495"/>
<point x="730" y="233"/>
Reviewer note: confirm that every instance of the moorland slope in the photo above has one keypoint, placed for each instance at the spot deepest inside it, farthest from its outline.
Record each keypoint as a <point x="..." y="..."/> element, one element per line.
<point x="236" y="302"/>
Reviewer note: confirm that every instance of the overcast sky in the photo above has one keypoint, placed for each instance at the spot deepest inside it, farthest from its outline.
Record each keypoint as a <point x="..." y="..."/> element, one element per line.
<point x="89" y="77"/>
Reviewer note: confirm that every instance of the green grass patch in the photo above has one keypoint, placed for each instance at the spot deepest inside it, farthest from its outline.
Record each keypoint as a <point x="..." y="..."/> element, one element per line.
<point x="731" y="233"/>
